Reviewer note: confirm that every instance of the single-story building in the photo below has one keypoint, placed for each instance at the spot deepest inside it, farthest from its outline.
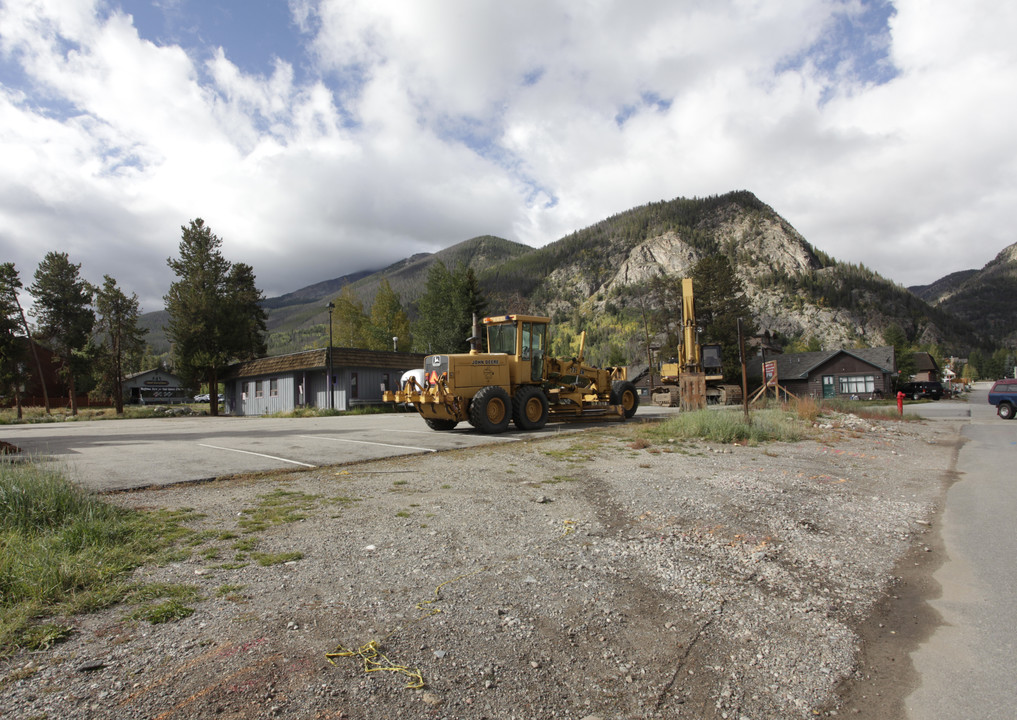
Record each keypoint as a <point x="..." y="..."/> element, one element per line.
<point x="863" y="373"/>
<point x="155" y="387"/>
<point x="286" y="382"/>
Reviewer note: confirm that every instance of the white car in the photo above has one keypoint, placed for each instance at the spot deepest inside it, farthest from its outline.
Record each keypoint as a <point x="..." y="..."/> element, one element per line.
<point x="419" y="376"/>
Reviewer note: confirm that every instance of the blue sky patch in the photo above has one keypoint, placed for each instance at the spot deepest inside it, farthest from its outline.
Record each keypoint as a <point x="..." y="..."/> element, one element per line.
<point x="855" y="46"/>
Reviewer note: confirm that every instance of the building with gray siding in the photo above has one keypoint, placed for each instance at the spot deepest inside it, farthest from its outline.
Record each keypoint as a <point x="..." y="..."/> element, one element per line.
<point x="286" y="382"/>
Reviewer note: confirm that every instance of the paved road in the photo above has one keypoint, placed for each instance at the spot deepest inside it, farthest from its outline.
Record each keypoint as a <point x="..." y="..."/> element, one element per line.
<point x="122" y="454"/>
<point x="968" y="668"/>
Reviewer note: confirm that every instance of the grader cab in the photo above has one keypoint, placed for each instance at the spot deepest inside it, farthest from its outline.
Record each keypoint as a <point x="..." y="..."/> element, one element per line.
<point x="515" y="381"/>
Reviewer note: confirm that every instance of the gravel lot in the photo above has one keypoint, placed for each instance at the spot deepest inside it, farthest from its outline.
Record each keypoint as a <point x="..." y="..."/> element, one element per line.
<point x="575" y="576"/>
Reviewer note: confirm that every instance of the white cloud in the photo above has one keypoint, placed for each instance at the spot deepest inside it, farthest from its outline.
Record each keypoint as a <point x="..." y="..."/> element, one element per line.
<point x="413" y="126"/>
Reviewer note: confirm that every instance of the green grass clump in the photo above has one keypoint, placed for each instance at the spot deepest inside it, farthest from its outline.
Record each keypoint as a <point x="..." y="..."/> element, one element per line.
<point x="269" y="559"/>
<point x="63" y="550"/>
<point x="278" y="507"/>
<point x="730" y="427"/>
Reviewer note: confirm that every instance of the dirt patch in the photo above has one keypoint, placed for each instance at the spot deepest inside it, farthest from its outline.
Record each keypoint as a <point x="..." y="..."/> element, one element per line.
<point x="569" y="577"/>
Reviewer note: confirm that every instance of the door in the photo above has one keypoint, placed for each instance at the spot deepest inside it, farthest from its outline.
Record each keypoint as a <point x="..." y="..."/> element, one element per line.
<point x="829" y="390"/>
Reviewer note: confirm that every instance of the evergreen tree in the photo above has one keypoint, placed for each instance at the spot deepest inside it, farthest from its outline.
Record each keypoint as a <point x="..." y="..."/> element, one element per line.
<point x="719" y="302"/>
<point x="119" y="340"/>
<point x="350" y="326"/>
<point x="215" y="315"/>
<point x="666" y="293"/>
<point x="12" y="361"/>
<point x="63" y="306"/>
<point x="447" y="308"/>
<point x="903" y="352"/>
<point x="247" y="318"/>
<point x="389" y="320"/>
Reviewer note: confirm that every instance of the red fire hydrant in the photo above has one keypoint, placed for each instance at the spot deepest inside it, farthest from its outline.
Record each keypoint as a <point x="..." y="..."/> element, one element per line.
<point x="900" y="403"/>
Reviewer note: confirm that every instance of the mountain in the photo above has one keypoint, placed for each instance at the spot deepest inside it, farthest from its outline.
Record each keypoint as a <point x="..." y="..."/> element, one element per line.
<point x="594" y="279"/>
<point x="591" y="280"/>
<point x="299" y="320"/>
<point x="985" y="298"/>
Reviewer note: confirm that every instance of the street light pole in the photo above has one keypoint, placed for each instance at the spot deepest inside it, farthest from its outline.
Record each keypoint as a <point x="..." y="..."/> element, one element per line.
<point x="331" y="392"/>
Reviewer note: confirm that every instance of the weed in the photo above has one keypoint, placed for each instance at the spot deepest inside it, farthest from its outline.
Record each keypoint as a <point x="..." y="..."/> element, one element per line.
<point x="163" y="612"/>
<point x="245" y="545"/>
<point x="268" y="559"/>
<point x="278" y="507"/>
<point x="230" y="591"/>
<point x="577" y="452"/>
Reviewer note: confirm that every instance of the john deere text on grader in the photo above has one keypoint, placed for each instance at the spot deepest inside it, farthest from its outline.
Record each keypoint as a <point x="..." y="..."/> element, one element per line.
<point x="515" y="381"/>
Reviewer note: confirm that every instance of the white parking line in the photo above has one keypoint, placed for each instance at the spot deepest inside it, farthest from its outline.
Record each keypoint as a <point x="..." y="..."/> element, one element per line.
<point x="365" y="442"/>
<point x="506" y="438"/>
<point x="248" y="452"/>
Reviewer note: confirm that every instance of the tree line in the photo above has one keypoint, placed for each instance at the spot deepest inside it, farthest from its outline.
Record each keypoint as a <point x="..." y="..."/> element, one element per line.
<point x="93" y="331"/>
<point x="444" y="315"/>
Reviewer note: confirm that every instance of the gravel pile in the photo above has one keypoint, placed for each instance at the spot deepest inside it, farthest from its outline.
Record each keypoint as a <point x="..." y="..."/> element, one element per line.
<point x="575" y="575"/>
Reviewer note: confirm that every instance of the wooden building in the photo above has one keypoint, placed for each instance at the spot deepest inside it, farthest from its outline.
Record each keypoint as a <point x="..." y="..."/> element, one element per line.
<point x="286" y="382"/>
<point x="864" y="373"/>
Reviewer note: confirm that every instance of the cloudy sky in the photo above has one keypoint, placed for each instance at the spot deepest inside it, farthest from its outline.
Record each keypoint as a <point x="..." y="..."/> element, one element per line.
<point x="321" y="137"/>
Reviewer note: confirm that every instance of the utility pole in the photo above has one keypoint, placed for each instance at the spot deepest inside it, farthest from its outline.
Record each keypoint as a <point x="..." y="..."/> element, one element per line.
<point x="331" y="391"/>
<point x="745" y="381"/>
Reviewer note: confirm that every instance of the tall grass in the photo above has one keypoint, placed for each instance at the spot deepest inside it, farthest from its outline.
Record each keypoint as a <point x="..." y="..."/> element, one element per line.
<point x="62" y="550"/>
<point x="728" y="427"/>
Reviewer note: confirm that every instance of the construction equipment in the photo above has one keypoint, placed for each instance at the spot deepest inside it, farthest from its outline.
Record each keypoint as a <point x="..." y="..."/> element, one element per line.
<point x="696" y="378"/>
<point x="516" y="381"/>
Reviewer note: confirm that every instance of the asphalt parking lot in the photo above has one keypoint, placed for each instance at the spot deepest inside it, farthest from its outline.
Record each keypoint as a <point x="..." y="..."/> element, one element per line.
<point x="113" y="455"/>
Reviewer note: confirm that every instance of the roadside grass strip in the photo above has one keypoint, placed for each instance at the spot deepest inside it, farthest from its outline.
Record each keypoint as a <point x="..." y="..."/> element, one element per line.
<point x="64" y="551"/>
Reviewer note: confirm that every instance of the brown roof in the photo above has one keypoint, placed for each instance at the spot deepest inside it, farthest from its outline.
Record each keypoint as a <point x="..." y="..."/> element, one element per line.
<point x="318" y="360"/>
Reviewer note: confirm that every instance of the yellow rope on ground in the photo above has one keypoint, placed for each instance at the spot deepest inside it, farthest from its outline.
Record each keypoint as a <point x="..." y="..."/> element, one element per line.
<point x="371" y="655"/>
<point x="569" y="526"/>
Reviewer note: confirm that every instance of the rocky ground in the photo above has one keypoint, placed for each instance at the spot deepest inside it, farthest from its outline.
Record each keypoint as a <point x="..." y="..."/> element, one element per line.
<point x="585" y="575"/>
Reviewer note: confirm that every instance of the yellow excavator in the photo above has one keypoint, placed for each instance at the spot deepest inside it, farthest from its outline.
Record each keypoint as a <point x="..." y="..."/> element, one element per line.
<point x="696" y="379"/>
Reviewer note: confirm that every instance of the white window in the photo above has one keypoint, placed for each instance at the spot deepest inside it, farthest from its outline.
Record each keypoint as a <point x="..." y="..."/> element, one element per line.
<point x="855" y="384"/>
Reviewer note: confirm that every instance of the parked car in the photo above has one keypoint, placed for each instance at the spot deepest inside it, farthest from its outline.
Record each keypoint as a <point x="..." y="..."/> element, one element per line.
<point x="204" y="397"/>
<point x="419" y="376"/>
<point x="919" y="390"/>
<point x="1004" y="396"/>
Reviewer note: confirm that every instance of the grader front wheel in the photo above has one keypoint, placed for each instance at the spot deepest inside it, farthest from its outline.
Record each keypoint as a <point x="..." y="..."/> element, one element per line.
<point x="624" y="393"/>
<point x="529" y="408"/>
<point x="490" y="410"/>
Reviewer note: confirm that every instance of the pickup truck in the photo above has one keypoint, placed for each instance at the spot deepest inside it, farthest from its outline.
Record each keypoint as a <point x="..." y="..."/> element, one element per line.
<point x="1004" y="396"/>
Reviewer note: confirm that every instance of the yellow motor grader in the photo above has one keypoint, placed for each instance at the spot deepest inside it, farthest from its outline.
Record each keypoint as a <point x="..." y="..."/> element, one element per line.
<point x="516" y="381"/>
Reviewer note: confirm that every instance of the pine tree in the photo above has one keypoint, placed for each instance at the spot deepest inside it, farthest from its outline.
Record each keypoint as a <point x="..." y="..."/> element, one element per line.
<point x="119" y="340"/>
<point x="719" y="302"/>
<point x="389" y="320"/>
<point x="903" y="352"/>
<point x="215" y="315"/>
<point x="447" y="308"/>
<point x="350" y="326"/>
<point x="63" y="306"/>
<point x="12" y="361"/>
